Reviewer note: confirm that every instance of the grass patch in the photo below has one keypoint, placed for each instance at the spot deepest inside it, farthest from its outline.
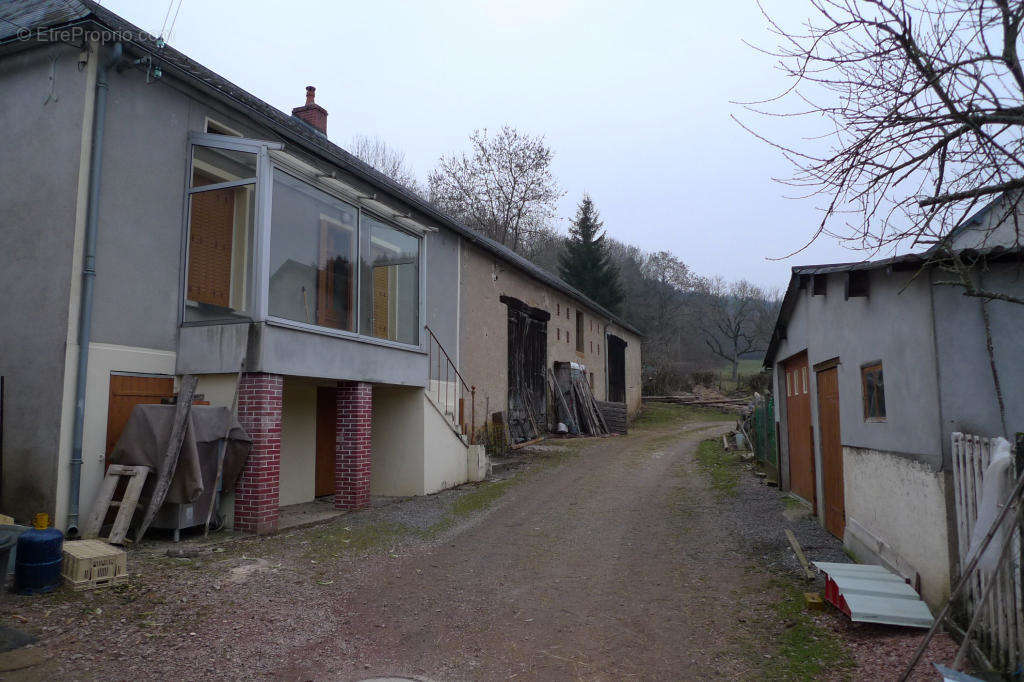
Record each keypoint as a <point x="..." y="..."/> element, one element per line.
<point x="806" y="651"/>
<point x="722" y="467"/>
<point x="789" y="503"/>
<point x="336" y="539"/>
<point x="655" y="415"/>
<point x="483" y="497"/>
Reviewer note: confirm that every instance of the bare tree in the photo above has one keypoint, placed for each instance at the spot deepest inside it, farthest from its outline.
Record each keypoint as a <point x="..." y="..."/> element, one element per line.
<point x="924" y="102"/>
<point x="385" y="158"/>
<point x="735" y="319"/>
<point x="503" y="187"/>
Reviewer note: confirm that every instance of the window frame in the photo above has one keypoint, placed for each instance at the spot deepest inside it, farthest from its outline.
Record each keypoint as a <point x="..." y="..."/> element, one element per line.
<point x="865" y="369"/>
<point x="259" y="277"/>
<point x="581" y="345"/>
<point x="276" y="164"/>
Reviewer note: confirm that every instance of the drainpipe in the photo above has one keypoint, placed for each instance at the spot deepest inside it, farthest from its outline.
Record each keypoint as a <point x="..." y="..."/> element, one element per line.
<point x="88" y="279"/>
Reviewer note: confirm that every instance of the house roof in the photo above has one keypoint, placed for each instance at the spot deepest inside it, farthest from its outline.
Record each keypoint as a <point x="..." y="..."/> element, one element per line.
<point x="909" y="261"/>
<point x="17" y="16"/>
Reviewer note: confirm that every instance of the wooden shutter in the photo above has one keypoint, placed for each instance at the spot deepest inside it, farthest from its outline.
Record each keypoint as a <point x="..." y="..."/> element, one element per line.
<point x="381" y="294"/>
<point x="209" y="247"/>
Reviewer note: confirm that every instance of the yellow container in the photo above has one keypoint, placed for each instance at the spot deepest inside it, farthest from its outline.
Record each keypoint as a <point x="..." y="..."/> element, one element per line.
<point x="89" y="564"/>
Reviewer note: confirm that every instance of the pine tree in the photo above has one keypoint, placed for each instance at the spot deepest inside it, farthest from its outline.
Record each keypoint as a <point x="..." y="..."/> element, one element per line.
<point x="586" y="263"/>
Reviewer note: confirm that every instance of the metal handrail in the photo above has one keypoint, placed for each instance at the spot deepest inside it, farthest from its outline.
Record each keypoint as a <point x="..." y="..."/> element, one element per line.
<point x="449" y="368"/>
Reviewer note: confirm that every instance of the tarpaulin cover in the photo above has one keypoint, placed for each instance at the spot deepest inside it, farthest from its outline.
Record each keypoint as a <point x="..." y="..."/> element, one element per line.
<point x="144" y="443"/>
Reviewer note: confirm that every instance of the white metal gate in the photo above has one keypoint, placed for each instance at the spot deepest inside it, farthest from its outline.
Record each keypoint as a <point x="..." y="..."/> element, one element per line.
<point x="1000" y="634"/>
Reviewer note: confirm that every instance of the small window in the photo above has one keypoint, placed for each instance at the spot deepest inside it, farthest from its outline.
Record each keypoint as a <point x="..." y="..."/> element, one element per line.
<point x="874" y="391"/>
<point x="567" y="336"/>
<point x="857" y="284"/>
<point x="558" y="334"/>
<point x="591" y="381"/>
<point x="598" y="349"/>
<point x="579" y="332"/>
<point x="788" y="392"/>
<point x="819" y="285"/>
<point x="558" y="309"/>
<point x="218" y="128"/>
<point x="591" y="346"/>
<point x="803" y="372"/>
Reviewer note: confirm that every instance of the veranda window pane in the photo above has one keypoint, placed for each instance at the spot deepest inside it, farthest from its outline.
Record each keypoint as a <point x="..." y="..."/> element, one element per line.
<point x="211" y="165"/>
<point x="312" y="255"/>
<point x="389" y="271"/>
<point x="220" y="247"/>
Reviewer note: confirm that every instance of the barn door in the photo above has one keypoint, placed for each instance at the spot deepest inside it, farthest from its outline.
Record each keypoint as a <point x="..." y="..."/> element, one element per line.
<point x="798" y="428"/>
<point x="326" y="436"/>
<point x="616" y="349"/>
<point x="127" y="391"/>
<point x="527" y="363"/>
<point x="831" y="450"/>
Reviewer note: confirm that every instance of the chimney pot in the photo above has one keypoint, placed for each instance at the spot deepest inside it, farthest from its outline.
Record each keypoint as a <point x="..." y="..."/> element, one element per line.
<point x="311" y="112"/>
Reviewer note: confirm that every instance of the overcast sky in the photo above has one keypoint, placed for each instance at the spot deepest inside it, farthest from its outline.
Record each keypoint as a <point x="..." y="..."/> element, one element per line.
<point x="634" y="99"/>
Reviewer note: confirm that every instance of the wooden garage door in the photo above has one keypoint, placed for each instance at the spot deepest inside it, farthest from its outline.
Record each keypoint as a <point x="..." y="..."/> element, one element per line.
<point x="127" y="391"/>
<point x="831" y="451"/>
<point x="798" y="425"/>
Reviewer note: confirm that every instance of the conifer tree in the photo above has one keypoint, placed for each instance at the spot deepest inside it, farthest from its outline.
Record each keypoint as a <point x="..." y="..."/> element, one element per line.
<point x="586" y="263"/>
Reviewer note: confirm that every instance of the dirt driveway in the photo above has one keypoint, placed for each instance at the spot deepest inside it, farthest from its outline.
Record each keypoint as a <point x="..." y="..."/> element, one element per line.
<point x="605" y="561"/>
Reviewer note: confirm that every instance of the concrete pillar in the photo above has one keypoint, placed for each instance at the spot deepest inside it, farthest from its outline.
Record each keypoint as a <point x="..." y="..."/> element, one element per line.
<point x="352" y="447"/>
<point x="257" y="493"/>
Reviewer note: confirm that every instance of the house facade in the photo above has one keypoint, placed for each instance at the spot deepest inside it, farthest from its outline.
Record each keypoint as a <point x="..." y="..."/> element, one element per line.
<point x="169" y="223"/>
<point x="874" y="366"/>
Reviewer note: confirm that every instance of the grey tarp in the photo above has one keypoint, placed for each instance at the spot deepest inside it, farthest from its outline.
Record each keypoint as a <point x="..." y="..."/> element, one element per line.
<point x="144" y="443"/>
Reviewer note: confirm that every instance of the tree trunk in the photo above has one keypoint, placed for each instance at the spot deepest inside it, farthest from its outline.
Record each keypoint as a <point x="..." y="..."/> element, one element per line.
<point x="735" y="369"/>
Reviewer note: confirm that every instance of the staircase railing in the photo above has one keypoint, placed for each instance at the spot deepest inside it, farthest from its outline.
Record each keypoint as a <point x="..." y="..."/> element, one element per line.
<point x="448" y="387"/>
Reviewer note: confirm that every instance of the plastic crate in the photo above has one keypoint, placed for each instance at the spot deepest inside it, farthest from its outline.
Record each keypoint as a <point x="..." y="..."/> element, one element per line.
<point x="89" y="564"/>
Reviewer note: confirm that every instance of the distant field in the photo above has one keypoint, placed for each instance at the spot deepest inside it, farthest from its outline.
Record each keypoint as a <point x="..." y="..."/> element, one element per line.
<point x="747" y="366"/>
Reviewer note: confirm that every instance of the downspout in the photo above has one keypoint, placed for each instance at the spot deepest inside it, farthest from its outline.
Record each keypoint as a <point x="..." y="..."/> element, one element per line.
<point x="88" y="279"/>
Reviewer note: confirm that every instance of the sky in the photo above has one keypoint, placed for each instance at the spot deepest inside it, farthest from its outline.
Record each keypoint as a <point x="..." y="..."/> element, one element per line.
<point x="635" y="99"/>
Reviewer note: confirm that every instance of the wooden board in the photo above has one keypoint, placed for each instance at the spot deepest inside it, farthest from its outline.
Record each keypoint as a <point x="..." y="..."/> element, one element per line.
<point x="170" y="460"/>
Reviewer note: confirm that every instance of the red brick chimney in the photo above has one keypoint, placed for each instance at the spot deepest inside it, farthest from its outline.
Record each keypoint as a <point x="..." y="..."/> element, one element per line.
<point x="311" y="112"/>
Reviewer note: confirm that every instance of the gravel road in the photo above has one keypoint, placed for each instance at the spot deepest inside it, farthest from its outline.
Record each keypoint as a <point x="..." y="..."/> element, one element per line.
<point x="609" y="560"/>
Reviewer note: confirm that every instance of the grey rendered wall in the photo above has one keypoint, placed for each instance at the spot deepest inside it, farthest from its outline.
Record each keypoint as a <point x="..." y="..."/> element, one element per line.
<point x="140" y="260"/>
<point x="443" y="289"/>
<point x="890" y="325"/>
<point x="967" y="389"/>
<point x="38" y="192"/>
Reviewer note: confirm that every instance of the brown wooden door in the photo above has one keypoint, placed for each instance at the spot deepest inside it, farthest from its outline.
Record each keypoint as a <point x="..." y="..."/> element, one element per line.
<point x="798" y="426"/>
<point x="126" y="392"/>
<point x="326" y="419"/>
<point x="831" y="451"/>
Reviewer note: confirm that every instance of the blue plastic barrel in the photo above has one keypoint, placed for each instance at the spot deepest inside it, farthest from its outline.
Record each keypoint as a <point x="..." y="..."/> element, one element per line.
<point x="38" y="562"/>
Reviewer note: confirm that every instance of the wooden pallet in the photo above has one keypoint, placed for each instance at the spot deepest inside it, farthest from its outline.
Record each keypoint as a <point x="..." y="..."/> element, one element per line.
<point x="125" y="506"/>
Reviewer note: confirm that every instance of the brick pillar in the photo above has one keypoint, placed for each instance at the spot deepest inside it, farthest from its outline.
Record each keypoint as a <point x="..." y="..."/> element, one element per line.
<point x="352" y="447"/>
<point x="257" y="491"/>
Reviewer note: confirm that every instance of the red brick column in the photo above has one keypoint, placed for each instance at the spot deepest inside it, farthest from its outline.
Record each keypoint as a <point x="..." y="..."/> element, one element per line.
<point x="352" y="447"/>
<point x="257" y="491"/>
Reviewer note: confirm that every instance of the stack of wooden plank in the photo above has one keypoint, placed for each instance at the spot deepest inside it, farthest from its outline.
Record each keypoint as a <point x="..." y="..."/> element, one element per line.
<point x="577" y="407"/>
<point x="614" y="416"/>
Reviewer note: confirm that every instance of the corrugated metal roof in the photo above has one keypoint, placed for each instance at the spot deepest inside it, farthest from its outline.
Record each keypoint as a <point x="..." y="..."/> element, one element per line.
<point x="18" y="15"/>
<point x="874" y="594"/>
<point x="49" y="13"/>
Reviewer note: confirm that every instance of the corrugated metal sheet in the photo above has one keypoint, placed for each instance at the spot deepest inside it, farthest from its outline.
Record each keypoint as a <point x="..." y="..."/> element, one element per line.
<point x="874" y="594"/>
<point x="17" y="15"/>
